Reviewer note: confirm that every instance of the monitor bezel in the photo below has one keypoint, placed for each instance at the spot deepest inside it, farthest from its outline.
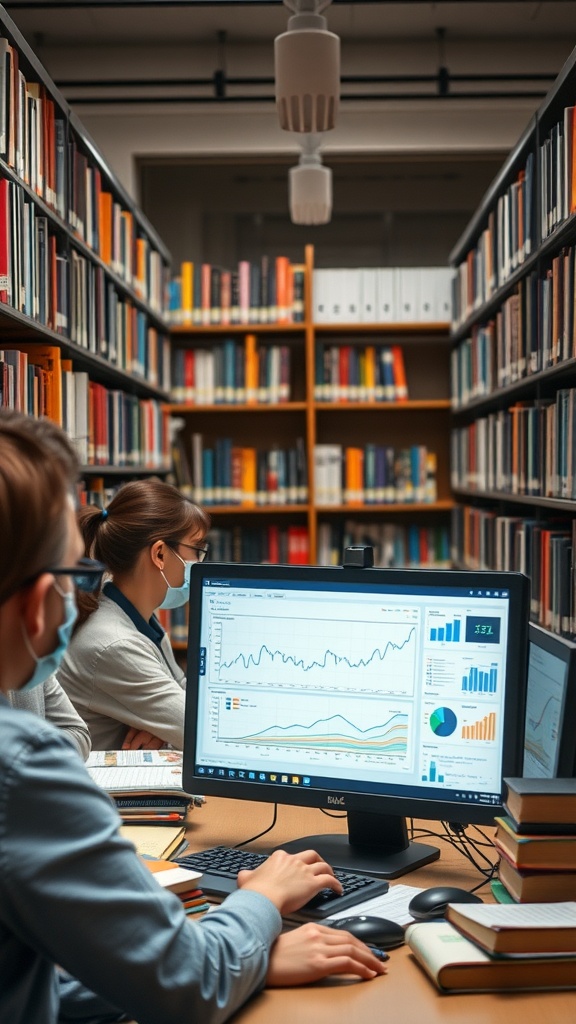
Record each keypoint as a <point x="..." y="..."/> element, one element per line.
<point x="383" y="803"/>
<point x="563" y="648"/>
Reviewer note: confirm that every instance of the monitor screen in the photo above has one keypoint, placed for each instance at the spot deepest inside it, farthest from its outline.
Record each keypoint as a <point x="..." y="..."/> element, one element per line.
<point x="550" y="731"/>
<point x="384" y="693"/>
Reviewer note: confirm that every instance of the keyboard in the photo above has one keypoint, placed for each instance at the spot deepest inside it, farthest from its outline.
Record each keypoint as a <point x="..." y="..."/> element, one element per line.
<point x="221" y="864"/>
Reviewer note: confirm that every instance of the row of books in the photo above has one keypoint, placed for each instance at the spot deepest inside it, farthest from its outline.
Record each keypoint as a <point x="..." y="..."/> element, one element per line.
<point x="382" y="295"/>
<point x="37" y="143"/>
<point x="537" y="840"/>
<point x="558" y="173"/>
<point x="355" y="373"/>
<point x="503" y="246"/>
<point x="232" y="373"/>
<point x="534" y="329"/>
<point x="527" y="449"/>
<point x="542" y="550"/>
<point x="395" y="545"/>
<point x="228" y="473"/>
<point x="265" y="292"/>
<point x="71" y="295"/>
<point x="33" y="133"/>
<point x="373" y="474"/>
<point x="273" y="544"/>
<point x="108" y="427"/>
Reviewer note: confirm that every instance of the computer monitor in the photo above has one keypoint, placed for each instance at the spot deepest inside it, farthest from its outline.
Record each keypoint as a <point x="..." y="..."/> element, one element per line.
<point x="384" y="693"/>
<point x="550" y="731"/>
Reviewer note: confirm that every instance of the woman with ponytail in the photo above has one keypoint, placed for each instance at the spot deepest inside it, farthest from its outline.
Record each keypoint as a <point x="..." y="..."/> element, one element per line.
<point x="119" y="670"/>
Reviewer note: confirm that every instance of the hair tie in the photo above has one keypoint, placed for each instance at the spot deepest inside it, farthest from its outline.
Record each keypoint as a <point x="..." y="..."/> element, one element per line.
<point x="104" y="513"/>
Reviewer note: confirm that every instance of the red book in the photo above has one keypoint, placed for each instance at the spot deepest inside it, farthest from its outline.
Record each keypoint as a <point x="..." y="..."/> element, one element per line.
<point x="273" y="545"/>
<point x="189" y="375"/>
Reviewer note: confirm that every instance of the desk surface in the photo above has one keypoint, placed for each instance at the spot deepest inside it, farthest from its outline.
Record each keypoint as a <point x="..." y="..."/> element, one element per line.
<point x="405" y="993"/>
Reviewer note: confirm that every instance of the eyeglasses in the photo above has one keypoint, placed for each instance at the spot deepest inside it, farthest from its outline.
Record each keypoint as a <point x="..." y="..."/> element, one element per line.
<point x="201" y="553"/>
<point x="87" y="574"/>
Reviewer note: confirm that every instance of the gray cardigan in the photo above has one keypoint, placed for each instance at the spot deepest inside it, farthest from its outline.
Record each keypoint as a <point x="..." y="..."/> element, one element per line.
<point x="118" y="678"/>
<point x="50" y="702"/>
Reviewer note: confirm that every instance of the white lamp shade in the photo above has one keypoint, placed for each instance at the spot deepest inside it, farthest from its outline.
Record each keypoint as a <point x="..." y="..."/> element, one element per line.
<point x="310" y="194"/>
<point x="307" y="73"/>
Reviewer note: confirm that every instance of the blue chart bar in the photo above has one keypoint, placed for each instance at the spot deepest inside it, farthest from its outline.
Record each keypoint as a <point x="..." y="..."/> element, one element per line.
<point x="449" y="632"/>
<point x="432" y="777"/>
<point x="481" y="680"/>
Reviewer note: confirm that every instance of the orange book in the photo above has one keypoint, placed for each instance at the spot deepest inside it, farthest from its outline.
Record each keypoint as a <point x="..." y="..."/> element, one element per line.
<point x="248" y="476"/>
<point x="251" y="369"/>
<point x="353" y="476"/>
<point x="49" y="358"/>
<point x="105" y="226"/>
<point x="141" y="254"/>
<point x="399" y="371"/>
<point x="370" y="373"/>
<point x="186" y="291"/>
<point x="283" y="313"/>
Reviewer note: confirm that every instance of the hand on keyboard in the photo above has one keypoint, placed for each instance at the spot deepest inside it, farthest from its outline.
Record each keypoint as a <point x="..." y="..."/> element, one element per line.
<point x="290" y="880"/>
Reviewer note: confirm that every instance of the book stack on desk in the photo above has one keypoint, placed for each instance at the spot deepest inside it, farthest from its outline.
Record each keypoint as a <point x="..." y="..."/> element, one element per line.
<point x="146" y="785"/>
<point x="537" y="840"/>
<point x="181" y="881"/>
<point x="488" y="947"/>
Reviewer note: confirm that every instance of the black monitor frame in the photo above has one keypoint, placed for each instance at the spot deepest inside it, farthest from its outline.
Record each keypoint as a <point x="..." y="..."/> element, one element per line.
<point x="376" y="821"/>
<point x="564" y="649"/>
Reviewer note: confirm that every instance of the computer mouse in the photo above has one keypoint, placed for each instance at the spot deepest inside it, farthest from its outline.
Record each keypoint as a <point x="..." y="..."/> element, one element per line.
<point x="431" y="903"/>
<point x="374" y="931"/>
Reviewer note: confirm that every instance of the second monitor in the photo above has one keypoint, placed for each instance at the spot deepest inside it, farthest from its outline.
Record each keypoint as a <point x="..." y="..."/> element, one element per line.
<point x="382" y="693"/>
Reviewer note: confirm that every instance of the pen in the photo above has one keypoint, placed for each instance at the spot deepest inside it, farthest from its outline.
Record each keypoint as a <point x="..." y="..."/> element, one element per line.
<point x="151" y="817"/>
<point x="380" y="953"/>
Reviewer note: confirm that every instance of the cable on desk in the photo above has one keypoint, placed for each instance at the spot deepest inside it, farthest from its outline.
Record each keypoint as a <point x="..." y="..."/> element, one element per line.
<point x="258" y="836"/>
<point x="471" y="848"/>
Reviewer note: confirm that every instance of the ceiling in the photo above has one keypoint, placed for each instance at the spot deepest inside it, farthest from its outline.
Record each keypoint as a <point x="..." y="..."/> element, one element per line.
<point x="179" y="21"/>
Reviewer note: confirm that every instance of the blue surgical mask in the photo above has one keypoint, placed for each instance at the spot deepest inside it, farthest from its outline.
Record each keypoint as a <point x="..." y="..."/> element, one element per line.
<point x="177" y="596"/>
<point x="49" y="663"/>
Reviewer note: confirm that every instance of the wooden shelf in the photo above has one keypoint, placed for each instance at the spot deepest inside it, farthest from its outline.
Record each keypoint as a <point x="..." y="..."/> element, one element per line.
<point x="388" y="508"/>
<point x="407" y="406"/>
<point x="184" y="409"/>
<point x="422" y="419"/>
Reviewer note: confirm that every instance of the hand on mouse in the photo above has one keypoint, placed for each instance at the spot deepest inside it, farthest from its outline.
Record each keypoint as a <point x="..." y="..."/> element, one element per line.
<point x="313" y="951"/>
<point x="289" y="880"/>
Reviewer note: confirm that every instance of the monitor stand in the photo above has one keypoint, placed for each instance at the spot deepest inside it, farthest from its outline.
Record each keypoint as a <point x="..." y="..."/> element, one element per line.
<point x="376" y="844"/>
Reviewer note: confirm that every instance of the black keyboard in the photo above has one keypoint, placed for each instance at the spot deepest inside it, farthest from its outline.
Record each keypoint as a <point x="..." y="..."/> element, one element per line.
<point x="220" y="866"/>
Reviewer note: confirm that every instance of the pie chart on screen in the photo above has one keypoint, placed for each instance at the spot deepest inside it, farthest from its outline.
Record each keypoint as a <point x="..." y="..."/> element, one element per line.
<point x="443" y="721"/>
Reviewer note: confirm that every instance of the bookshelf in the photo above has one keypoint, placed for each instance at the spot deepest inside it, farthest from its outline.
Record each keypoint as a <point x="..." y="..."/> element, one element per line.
<point x="513" y="366"/>
<point x="83" y="278"/>
<point x="309" y="528"/>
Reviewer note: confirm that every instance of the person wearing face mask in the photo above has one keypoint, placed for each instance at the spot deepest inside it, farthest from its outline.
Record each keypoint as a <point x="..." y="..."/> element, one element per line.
<point x="119" y="670"/>
<point x="86" y="932"/>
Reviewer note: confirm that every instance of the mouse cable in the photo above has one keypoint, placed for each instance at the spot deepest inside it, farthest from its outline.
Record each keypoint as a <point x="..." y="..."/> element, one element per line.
<point x="244" y="842"/>
<point x="330" y="814"/>
<point x="462" y="844"/>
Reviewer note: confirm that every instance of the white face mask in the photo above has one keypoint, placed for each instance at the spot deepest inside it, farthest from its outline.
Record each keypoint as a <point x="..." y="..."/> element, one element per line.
<point x="177" y="596"/>
<point x="49" y="663"/>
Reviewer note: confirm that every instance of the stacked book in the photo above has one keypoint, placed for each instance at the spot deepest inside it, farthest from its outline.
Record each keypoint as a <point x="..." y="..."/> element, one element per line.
<point x="146" y="785"/>
<point x="537" y="840"/>
<point x="181" y="881"/>
<point x="488" y="947"/>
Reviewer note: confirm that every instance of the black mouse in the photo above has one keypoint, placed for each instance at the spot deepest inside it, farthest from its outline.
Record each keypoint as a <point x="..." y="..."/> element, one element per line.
<point x="374" y="931"/>
<point x="431" y="903"/>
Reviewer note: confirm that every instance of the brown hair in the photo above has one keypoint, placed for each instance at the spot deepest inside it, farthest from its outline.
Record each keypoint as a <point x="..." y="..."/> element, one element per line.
<point x="38" y="468"/>
<point x="140" y="513"/>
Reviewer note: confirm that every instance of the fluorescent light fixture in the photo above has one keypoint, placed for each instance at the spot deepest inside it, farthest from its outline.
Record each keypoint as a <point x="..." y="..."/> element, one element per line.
<point x="307" y="70"/>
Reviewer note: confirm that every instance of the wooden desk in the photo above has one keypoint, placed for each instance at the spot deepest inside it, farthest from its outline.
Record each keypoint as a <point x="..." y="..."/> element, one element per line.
<point x="405" y="994"/>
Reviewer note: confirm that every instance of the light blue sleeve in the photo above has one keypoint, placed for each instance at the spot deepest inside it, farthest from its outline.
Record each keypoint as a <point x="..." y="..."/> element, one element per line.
<point x="76" y="892"/>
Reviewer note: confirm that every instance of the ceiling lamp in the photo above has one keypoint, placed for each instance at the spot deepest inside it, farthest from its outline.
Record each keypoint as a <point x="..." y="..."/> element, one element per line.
<point x="310" y="186"/>
<point x="307" y="70"/>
